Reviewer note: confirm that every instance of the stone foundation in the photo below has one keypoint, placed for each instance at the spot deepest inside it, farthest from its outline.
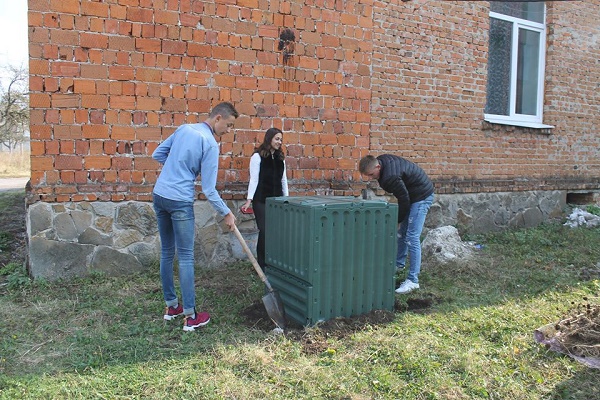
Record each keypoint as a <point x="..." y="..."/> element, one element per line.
<point x="77" y="239"/>
<point x="488" y="212"/>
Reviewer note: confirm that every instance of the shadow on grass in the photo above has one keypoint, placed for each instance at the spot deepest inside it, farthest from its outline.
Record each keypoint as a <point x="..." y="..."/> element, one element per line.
<point x="578" y="387"/>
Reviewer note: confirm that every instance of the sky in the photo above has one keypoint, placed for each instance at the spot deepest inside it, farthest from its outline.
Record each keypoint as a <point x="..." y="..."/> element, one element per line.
<point x="13" y="31"/>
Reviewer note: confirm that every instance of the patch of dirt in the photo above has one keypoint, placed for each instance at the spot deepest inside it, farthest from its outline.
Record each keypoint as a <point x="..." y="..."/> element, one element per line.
<point x="227" y="279"/>
<point x="588" y="274"/>
<point x="314" y="339"/>
<point x="13" y="238"/>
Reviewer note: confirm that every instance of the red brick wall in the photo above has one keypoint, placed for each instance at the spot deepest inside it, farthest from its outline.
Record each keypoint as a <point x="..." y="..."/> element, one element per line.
<point x="573" y="91"/>
<point x="111" y="79"/>
<point x="429" y="92"/>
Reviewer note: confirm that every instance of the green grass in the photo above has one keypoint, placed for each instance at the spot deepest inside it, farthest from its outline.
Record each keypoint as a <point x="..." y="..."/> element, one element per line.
<point x="104" y="338"/>
<point x="593" y="209"/>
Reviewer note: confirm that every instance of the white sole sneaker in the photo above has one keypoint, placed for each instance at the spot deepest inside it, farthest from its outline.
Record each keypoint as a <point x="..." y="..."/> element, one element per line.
<point x="407" y="287"/>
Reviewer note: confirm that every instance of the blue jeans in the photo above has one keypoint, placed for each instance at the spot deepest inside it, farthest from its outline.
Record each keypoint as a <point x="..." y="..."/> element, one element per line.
<point x="176" y="226"/>
<point x="409" y="237"/>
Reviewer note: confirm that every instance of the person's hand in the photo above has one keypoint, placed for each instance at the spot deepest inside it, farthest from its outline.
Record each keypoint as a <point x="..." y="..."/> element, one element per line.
<point x="230" y="221"/>
<point x="246" y="205"/>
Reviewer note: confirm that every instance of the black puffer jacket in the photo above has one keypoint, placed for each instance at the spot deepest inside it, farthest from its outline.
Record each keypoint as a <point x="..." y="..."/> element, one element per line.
<point x="405" y="180"/>
<point x="269" y="177"/>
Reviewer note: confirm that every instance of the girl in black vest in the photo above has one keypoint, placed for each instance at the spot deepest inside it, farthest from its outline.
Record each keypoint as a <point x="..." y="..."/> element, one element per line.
<point x="267" y="179"/>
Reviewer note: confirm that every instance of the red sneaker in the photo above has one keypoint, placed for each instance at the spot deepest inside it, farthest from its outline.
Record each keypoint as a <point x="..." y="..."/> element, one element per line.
<point x="173" y="312"/>
<point x="190" y="324"/>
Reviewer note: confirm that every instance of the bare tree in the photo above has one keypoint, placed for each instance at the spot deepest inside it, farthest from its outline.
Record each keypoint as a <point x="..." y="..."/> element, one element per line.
<point x="14" y="107"/>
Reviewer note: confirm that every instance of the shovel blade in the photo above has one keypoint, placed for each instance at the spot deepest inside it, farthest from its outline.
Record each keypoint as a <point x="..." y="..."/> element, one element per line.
<point x="275" y="310"/>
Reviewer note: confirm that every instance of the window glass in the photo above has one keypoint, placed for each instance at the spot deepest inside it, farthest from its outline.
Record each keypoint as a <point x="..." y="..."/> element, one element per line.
<point x="527" y="72"/>
<point x="499" y="65"/>
<point x="531" y="11"/>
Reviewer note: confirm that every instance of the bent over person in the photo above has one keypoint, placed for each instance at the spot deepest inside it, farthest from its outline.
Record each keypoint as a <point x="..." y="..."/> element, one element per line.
<point x="414" y="191"/>
<point x="190" y="151"/>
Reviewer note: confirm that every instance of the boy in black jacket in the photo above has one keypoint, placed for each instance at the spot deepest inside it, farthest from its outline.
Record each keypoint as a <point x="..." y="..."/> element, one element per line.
<point x="414" y="191"/>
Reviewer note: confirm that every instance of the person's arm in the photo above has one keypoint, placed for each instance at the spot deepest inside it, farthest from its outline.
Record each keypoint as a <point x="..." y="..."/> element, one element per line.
<point x="162" y="151"/>
<point x="254" y="174"/>
<point x="395" y="185"/>
<point x="253" y="183"/>
<point x="284" y="182"/>
<point x="209" y="170"/>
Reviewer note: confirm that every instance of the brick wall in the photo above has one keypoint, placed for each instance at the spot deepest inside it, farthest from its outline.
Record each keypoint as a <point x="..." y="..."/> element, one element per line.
<point x="429" y="92"/>
<point x="110" y="79"/>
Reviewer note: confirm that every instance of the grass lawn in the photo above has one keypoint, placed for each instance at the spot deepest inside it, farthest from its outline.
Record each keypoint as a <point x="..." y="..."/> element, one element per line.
<point x="105" y="338"/>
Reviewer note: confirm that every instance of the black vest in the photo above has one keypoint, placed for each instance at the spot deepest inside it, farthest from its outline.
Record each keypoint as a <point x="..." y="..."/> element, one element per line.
<point x="269" y="178"/>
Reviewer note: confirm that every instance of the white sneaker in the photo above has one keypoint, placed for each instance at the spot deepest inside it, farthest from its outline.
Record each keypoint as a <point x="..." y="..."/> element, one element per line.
<point x="407" y="287"/>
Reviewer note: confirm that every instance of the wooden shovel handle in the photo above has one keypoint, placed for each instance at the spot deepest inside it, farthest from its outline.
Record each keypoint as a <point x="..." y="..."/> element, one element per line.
<point x="257" y="267"/>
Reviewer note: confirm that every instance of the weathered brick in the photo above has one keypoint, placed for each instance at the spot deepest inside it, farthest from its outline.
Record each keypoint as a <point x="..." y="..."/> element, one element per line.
<point x="140" y="14"/>
<point x="39" y="100"/>
<point x="94" y="101"/>
<point x="95" y="131"/>
<point x="121" y="73"/>
<point x="42" y="164"/>
<point x="148" y="103"/>
<point x="85" y="86"/>
<point x="68" y="162"/>
<point x="60" y="100"/>
<point x="93" y="40"/>
<point x="97" y="9"/>
<point x="37" y="148"/>
<point x="173" y="76"/>
<point x="122" y="43"/>
<point x="59" y="68"/>
<point x="122" y="133"/>
<point x="122" y="102"/>
<point x="167" y="17"/>
<point x="120" y="163"/>
<point x="144" y="163"/>
<point x="173" y="47"/>
<point x="40" y="132"/>
<point x="148" y="45"/>
<point x="96" y="162"/>
<point x="65" y="6"/>
<point x="199" y="50"/>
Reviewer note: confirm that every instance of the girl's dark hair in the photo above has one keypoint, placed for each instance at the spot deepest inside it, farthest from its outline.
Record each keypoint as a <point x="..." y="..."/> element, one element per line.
<point x="265" y="147"/>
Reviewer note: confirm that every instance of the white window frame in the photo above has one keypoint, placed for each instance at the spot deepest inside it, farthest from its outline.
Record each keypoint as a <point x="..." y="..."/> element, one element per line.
<point x="529" y="121"/>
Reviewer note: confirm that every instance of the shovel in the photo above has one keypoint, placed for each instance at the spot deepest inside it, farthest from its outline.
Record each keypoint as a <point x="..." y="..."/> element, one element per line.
<point x="271" y="300"/>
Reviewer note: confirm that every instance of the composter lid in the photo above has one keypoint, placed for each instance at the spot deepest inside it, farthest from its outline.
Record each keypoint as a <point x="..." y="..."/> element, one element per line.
<point x="341" y="202"/>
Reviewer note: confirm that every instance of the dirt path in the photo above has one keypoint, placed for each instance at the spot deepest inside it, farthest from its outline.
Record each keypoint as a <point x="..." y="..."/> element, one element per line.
<point x="12" y="184"/>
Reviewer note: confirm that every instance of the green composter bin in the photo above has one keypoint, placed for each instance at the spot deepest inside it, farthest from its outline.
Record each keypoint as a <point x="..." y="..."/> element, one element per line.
<point x="331" y="256"/>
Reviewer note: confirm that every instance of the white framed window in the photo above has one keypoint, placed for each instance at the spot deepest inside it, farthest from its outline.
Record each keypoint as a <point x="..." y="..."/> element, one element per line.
<point x="516" y="61"/>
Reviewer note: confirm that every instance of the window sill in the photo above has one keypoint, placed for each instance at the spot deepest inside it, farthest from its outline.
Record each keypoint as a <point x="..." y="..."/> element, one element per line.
<point x="524" y="124"/>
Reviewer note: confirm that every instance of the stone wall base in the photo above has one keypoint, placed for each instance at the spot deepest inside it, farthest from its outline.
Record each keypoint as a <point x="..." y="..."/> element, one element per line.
<point x="80" y="238"/>
<point x="77" y="239"/>
<point x="489" y="212"/>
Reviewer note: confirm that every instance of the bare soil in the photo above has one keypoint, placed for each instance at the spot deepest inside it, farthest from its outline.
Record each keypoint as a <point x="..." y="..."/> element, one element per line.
<point x="12" y="229"/>
<point x="314" y="339"/>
